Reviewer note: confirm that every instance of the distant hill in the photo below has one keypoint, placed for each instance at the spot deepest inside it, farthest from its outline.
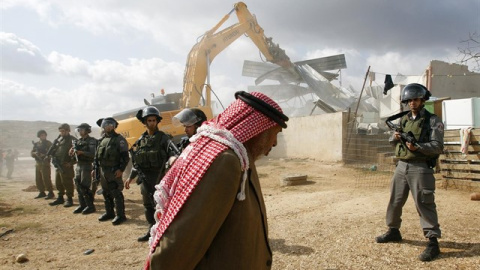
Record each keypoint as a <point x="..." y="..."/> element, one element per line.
<point x="18" y="135"/>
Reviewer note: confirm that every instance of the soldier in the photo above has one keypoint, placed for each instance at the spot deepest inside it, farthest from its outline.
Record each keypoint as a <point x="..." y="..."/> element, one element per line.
<point x="112" y="158"/>
<point x="84" y="151"/>
<point x="10" y="163"/>
<point x="414" y="171"/>
<point x="43" y="178"/>
<point x="191" y="119"/>
<point x="149" y="158"/>
<point x="64" y="166"/>
<point x="1" y="161"/>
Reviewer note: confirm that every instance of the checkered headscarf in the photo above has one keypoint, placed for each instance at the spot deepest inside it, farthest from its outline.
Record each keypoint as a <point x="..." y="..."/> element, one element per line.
<point x="230" y="129"/>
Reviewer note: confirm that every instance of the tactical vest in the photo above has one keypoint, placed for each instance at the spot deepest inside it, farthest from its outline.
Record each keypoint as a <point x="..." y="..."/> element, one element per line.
<point x="63" y="148"/>
<point x="420" y="127"/>
<point x="42" y="147"/>
<point x="151" y="151"/>
<point x="108" y="151"/>
<point x="83" y="145"/>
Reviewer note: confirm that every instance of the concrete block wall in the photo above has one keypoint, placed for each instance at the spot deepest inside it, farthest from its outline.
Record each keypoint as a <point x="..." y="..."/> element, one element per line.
<point x="319" y="137"/>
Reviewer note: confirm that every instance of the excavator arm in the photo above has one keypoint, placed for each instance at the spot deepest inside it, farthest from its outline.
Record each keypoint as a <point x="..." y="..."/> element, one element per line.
<point x="213" y="42"/>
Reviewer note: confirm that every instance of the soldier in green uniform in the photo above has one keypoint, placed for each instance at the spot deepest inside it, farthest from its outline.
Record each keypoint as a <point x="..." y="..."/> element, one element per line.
<point x="149" y="157"/>
<point x="43" y="178"/>
<point x="84" y="152"/>
<point x="63" y="163"/>
<point x="112" y="158"/>
<point x="414" y="171"/>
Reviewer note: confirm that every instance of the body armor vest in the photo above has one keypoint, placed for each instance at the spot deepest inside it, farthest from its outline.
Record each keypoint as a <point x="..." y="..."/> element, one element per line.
<point x="108" y="152"/>
<point x="151" y="153"/>
<point x="421" y="123"/>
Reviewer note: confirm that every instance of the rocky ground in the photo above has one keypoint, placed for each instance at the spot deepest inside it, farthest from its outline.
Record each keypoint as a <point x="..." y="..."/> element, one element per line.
<point x="328" y="223"/>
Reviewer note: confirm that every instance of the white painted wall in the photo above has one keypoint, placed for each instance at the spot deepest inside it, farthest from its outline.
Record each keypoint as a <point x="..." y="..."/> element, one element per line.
<point x="319" y="137"/>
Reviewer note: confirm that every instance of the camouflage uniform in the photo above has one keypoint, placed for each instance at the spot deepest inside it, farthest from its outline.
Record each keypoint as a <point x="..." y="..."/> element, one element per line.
<point x="83" y="174"/>
<point x="112" y="155"/>
<point x="43" y="178"/>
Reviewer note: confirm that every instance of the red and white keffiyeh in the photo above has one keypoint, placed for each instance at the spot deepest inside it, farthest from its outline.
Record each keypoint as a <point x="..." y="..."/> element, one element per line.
<point x="230" y="129"/>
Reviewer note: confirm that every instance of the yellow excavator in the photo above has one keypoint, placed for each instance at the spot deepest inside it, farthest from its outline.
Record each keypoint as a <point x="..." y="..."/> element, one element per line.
<point x="196" y="82"/>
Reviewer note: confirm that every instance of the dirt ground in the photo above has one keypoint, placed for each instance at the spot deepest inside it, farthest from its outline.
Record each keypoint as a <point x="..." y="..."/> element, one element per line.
<point x="328" y="223"/>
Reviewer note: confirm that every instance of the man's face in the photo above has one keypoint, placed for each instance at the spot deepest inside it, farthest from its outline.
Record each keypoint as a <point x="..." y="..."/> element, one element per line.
<point x="63" y="132"/>
<point x="190" y="130"/>
<point x="82" y="132"/>
<point x="108" y="128"/>
<point x="416" y="104"/>
<point x="43" y="136"/>
<point x="151" y="122"/>
<point x="264" y="142"/>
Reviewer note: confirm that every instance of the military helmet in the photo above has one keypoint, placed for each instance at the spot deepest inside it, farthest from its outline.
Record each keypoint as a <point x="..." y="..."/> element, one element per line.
<point x="148" y="111"/>
<point x="65" y="127"/>
<point x="414" y="90"/>
<point x="189" y="117"/>
<point x="40" y="132"/>
<point x="102" y="122"/>
<point x="85" y="126"/>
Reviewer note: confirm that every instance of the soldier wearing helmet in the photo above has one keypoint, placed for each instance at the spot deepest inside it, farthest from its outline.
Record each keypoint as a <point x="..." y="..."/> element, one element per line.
<point x="63" y="163"/>
<point x="149" y="155"/>
<point x="191" y="119"/>
<point x="43" y="178"/>
<point x="112" y="159"/>
<point x="84" y="151"/>
<point x="414" y="170"/>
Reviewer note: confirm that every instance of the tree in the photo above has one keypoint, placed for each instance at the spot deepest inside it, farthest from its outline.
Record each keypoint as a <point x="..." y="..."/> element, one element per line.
<point x="471" y="51"/>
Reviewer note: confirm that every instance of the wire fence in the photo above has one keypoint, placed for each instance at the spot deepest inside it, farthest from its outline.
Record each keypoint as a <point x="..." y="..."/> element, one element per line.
<point x="368" y="151"/>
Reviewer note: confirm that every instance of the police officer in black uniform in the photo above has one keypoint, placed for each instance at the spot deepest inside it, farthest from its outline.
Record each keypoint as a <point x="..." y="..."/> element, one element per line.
<point x="415" y="168"/>
<point x="84" y="152"/>
<point x="112" y="158"/>
<point x="150" y="153"/>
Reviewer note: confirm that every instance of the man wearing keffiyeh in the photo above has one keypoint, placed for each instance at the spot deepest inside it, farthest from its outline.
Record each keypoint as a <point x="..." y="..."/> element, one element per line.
<point x="210" y="212"/>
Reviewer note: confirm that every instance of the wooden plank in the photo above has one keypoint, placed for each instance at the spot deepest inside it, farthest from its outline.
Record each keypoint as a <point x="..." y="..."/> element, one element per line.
<point x="461" y="166"/>
<point x="460" y="157"/>
<point x="456" y="148"/>
<point x="461" y="175"/>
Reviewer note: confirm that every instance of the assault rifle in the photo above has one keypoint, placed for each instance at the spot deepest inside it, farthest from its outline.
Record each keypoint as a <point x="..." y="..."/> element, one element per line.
<point x="75" y="149"/>
<point x="405" y="136"/>
<point x="51" y="152"/>
<point x="141" y="175"/>
<point x="172" y="148"/>
<point x="38" y="155"/>
<point x="96" y="171"/>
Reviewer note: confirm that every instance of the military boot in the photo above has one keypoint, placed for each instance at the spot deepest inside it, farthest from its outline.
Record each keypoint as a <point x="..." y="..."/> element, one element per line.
<point x="149" y="215"/>
<point x="109" y="212"/>
<point x="41" y="195"/>
<point x="58" y="201"/>
<point x="392" y="235"/>
<point x="82" y="204"/>
<point x="120" y="208"/>
<point x="50" y="195"/>
<point x="89" y="201"/>
<point x="431" y="252"/>
<point x="68" y="202"/>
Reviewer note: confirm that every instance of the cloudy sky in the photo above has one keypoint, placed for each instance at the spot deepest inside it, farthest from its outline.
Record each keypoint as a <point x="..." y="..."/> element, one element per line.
<point x="76" y="61"/>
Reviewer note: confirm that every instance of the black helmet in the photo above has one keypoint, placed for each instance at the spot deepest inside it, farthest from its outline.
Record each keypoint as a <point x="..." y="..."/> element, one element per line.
<point x="189" y="117"/>
<point x="414" y="90"/>
<point x="147" y="111"/>
<point x="201" y="116"/>
<point x="65" y="127"/>
<point x="109" y="120"/>
<point x="40" y="132"/>
<point x="85" y="126"/>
